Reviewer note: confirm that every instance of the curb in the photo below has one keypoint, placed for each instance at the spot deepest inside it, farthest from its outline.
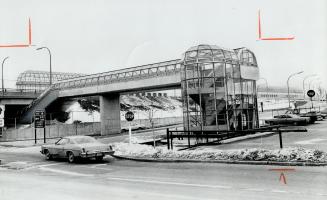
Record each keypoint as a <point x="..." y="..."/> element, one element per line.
<point x="140" y="159"/>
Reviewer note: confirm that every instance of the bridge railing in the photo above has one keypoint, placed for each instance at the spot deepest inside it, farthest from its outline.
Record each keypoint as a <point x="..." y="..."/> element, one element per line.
<point x="144" y="71"/>
<point x="19" y="92"/>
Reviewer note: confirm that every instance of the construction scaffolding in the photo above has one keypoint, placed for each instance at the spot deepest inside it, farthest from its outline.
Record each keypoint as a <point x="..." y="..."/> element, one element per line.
<point x="219" y="89"/>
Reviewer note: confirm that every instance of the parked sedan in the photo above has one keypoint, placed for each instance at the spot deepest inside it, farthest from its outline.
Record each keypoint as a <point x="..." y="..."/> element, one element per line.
<point x="288" y="119"/>
<point x="74" y="147"/>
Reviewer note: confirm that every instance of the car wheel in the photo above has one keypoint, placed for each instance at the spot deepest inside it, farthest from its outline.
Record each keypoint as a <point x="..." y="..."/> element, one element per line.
<point x="296" y="123"/>
<point x="47" y="154"/>
<point x="71" y="157"/>
<point x="99" y="158"/>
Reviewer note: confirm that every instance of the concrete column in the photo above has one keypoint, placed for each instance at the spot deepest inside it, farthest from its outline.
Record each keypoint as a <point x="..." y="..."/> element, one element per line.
<point x="110" y="114"/>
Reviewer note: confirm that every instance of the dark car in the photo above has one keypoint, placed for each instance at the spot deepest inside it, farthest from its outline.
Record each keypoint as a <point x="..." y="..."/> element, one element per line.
<point x="74" y="147"/>
<point x="288" y="119"/>
<point x="313" y="115"/>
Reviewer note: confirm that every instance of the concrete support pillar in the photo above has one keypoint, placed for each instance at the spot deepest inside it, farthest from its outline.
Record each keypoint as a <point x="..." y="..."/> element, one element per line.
<point x="110" y="114"/>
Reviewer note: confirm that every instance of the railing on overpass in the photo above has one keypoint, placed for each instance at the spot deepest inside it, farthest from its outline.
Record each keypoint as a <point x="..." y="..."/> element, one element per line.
<point x="133" y="73"/>
<point x="10" y="92"/>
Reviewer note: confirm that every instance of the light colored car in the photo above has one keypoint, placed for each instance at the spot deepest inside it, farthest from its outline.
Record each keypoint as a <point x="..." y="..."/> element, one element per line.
<point x="134" y="126"/>
<point x="75" y="147"/>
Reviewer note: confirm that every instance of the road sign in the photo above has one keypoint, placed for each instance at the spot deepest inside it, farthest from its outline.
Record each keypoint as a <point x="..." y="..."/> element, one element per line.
<point x="39" y="119"/>
<point x="129" y="116"/>
<point x="2" y="122"/>
<point x="311" y="93"/>
<point x="2" y="111"/>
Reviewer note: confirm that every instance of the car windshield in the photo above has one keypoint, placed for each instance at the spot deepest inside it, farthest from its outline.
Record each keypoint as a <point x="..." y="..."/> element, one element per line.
<point x="83" y="140"/>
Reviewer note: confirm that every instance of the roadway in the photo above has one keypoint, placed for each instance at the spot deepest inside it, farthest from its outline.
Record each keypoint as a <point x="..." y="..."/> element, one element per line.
<point x="26" y="175"/>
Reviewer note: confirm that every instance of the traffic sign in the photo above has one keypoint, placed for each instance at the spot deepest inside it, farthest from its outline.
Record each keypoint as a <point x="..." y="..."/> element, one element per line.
<point x="129" y="116"/>
<point x="2" y="123"/>
<point x="311" y="93"/>
<point x="2" y="111"/>
<point x="39" y="119"/>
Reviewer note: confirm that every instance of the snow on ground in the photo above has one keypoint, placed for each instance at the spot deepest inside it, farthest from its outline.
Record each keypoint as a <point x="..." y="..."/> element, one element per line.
<point x="254" y="154"/>
<point x="28" y="150"/>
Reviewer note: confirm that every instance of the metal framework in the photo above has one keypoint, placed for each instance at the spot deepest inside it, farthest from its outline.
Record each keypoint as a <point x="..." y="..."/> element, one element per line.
<point x="139" y="72"/>
<point x="219" y="89"/>
<point x="40" y="80"/>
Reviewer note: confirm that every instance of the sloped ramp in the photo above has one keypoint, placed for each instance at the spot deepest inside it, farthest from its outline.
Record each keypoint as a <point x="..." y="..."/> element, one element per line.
<point x="43" y="101"/>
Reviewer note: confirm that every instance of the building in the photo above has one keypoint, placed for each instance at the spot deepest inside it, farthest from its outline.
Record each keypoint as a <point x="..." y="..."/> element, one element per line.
<point x="40" y="80"/>
<point x="219" y="89"/>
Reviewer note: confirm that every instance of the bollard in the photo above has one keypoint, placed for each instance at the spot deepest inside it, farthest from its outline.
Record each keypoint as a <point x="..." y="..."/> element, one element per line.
<point x="280" y="139"/>
<point x="168" y="146"/>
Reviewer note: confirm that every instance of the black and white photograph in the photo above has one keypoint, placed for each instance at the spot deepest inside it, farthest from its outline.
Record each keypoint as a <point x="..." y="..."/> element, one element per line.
<point x="163" y="99"/>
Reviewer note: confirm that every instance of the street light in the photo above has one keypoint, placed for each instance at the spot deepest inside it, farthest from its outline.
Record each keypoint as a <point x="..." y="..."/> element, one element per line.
<point x="288" y="87"/>
<point x="312" y="81"/>
<point x="50" y="61"/>
<point x="3" y="90"/>
<point x="266" y="86"/>
<point x="311" y="75"/>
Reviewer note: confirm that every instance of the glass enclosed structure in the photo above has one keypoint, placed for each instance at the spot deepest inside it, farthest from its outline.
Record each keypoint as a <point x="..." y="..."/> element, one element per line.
<point x="40" y="80"/>
<point x="219" y="89"/>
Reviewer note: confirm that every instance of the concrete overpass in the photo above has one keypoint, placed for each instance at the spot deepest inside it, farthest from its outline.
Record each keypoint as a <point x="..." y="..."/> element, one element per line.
<point x="15" y="100"/>
<point x="109" y="86"/>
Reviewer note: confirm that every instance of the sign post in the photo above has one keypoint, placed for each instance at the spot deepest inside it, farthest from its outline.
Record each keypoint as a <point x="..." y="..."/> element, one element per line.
<point x="311" y="93"/>
<point x="39" y="122"/>
<point x="2" y="116"/>
<point x="129" y="116"/>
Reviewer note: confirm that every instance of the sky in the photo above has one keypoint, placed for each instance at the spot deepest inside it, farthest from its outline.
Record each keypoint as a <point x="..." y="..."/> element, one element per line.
<point x="102" y="35"/>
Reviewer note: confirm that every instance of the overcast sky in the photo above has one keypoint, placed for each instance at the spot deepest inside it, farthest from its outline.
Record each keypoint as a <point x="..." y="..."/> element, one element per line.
<point x="90" y="36"/>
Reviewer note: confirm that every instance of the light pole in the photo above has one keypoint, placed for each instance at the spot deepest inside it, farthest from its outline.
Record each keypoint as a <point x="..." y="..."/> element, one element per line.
<point x="311" y="75"/>
<point x="312" y="81"/>
<point x="288" y="87"/>
<point x="50" y="62"/>
<point x="3" y="88"/>
<point x="266" y="86"/>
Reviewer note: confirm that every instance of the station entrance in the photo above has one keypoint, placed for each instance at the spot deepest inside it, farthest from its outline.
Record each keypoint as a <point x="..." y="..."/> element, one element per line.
<point x="219" y="89"/>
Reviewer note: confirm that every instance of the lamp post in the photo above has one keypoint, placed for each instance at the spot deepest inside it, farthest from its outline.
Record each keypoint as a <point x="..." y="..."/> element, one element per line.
<point x="288" y="87"/>
<point x="312" y="81"/>
<point x="311" y="75"/>
<point x="50" y="61"/>
<point x="266" y="86"/>
<point x="3" y="88"/>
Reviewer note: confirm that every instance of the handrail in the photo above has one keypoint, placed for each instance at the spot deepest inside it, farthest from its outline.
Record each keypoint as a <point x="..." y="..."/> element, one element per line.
<point x="118" y="75"/>
<point x="130" y="69"/>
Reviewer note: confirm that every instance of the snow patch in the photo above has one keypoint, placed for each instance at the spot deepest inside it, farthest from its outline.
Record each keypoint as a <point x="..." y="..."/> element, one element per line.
<point x="254" y="154"/>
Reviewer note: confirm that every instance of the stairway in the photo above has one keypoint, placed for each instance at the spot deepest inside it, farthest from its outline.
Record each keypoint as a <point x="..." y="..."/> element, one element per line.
<point x="44" y="100"/>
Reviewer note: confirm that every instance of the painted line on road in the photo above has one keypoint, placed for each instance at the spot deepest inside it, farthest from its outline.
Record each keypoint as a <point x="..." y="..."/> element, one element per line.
<point x="98" y="165"/>
<point x="279" y="191"/>
<point x="169" y="183"/>
<point x="47" y="165"/>
<point x="254" y="189"/>
<point x="65" y="172"/>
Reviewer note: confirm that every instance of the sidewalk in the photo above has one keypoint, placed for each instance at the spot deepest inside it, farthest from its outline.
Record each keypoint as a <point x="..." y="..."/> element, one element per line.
<point x="139" y="136"/>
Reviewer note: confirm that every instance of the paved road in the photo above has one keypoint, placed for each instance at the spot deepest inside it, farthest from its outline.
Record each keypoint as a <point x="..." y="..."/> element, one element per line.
<point x="34" y="178"/>
<point x="26" y="175"/>
<point x="315" y="138"/>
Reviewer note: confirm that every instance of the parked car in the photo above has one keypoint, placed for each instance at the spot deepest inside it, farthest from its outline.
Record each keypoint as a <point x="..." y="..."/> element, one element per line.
<point x="75" y="147"/>
<point x="134" y="126"/>
<point x="313" y="115"/>
<point x="324" y="113"/>
<point x="288" y="119"/>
